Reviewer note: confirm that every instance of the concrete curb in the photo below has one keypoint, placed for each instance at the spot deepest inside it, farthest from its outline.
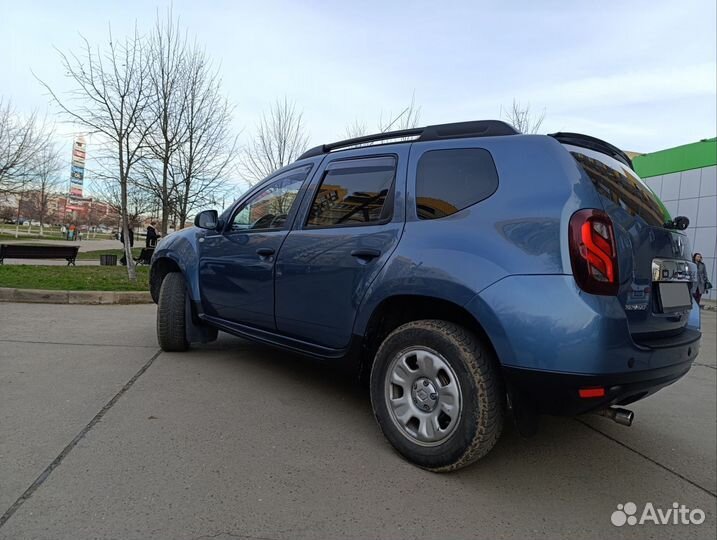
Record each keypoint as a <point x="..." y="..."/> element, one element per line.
<point x="39" y="296"/>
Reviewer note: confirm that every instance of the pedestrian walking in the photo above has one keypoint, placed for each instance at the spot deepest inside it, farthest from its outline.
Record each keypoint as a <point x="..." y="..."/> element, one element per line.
<point x="152" y="235"/>
<point x="701" y="285"/>
<point x="123" y="260"/>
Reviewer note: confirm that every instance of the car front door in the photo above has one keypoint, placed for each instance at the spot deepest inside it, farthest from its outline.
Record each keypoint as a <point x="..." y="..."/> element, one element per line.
<point x="348" y="225"/>
<point x="236" y="264"/>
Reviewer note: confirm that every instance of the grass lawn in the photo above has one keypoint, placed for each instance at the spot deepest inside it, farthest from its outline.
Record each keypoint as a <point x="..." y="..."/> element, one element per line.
<point x="73" y="278"/>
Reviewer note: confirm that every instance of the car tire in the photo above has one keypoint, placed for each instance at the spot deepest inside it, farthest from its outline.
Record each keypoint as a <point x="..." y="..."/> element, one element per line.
<point x="456" y="376"/>
<point x="171" y="322"/>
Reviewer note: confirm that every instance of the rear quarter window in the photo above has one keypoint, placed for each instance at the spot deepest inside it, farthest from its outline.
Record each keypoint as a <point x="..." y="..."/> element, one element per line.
<point x="448" y="181"/>
<point x="617" y="183"/>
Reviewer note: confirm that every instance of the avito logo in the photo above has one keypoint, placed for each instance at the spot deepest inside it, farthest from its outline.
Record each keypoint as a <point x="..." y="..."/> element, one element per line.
<point x="678" y="514"/>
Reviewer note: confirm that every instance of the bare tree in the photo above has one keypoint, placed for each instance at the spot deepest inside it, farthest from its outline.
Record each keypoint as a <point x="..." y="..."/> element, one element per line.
<point x="522" y="118"/>
<point x="139" y="200"/>
<point x="280" y="138"/>
<point x="7" y="212"/>
<point x="207" y="155"/>
<point x="46" y="181"/>
<point x="111" y="93"/>
<point x="167" y="77"/>
<point x="356" y="129"/>
<point x="20" y="140"/>
<point x="409" y="117"/>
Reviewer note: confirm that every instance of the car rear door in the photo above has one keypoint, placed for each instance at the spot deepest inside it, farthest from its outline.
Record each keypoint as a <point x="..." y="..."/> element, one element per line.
<point x="349" y="224"/>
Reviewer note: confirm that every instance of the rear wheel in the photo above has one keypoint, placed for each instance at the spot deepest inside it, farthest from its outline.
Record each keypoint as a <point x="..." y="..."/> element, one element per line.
<point x="437" y="394"/>
<point x="171" y="321"/>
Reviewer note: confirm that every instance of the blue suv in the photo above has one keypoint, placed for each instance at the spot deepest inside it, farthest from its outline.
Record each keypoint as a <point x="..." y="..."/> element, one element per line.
<point x="474" y="272"/>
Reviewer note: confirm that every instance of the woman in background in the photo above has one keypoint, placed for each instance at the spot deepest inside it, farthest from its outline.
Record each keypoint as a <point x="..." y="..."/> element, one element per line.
<point x="151" y="240"/>
<point x="701" y="285"/>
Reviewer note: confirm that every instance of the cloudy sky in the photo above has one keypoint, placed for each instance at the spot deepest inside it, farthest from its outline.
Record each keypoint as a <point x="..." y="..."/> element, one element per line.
<point x="640" y="74"/>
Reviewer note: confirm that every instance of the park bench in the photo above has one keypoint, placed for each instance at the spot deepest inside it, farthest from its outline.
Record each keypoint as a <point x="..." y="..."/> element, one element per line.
<point x="19" y="251"/>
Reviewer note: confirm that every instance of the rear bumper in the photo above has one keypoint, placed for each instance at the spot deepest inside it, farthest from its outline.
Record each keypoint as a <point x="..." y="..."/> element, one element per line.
<point x="545" y="323"/>
<point x="557" y="393"/>
<point x="552" y="340"/>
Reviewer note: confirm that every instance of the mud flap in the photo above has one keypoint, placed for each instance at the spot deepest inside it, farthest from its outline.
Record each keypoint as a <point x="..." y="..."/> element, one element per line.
<point x="196" y="331"/>
<point x="524" y="412"/>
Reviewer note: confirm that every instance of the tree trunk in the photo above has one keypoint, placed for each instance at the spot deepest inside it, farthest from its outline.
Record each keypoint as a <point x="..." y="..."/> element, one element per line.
<point x="165" y="194"/>
<point x="17" y="221"/>
<point x="131" y="272"/>
<point x="165" y="217"/>
<point x="184" y="205"/>
<point x="43" y="202"/>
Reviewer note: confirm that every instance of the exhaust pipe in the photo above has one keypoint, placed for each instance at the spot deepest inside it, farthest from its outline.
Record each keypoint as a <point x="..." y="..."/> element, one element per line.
<point x="618" y="415"/>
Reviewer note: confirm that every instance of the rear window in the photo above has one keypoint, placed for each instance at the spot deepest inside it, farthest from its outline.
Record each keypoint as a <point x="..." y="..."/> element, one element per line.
<point x="448" y="181"/>
<point x="617" y="183"/>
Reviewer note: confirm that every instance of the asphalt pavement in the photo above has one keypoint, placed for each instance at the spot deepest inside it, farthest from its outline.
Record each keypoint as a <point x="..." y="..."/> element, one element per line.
<point x="103" y="436"/>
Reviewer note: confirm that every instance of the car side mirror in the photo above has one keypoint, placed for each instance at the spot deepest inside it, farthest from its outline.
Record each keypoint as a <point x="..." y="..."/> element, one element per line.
<point x="208" y="219"/>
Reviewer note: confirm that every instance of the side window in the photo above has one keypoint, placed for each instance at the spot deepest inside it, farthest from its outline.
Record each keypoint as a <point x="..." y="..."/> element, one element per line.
<point x="269" y="208"/>
<point x="354" y="192"/>
<point x="450" y="180"/>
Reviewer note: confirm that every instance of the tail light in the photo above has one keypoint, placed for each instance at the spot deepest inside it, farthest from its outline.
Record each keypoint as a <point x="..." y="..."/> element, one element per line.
<point x="593" y="253"/>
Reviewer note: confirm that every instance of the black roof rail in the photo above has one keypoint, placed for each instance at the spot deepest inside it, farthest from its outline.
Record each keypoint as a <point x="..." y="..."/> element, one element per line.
<point x="478" y="128"/>
<point x="592" y="143"/>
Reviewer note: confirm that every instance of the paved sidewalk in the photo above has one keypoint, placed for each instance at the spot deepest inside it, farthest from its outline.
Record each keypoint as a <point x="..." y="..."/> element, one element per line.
<point x="103" y="436"/>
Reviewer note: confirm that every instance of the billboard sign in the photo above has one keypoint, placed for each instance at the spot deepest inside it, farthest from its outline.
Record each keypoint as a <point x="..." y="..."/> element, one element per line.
<point x="77" y="174"/>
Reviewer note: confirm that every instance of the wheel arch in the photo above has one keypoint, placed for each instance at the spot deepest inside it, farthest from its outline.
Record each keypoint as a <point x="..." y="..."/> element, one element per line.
<point x="396" y="310"/>
<point x="158" y="271"/>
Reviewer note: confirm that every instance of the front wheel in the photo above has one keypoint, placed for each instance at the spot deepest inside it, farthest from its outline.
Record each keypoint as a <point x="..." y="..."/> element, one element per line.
<point x="437" y="394"/>
<point x="171" y="321"/>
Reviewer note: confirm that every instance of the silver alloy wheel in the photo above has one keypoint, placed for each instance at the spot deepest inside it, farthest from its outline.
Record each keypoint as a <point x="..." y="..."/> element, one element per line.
<point x="423" y="396"/>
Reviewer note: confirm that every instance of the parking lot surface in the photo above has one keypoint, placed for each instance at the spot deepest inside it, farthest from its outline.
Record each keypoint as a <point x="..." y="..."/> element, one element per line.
<point x="103" y="436"/>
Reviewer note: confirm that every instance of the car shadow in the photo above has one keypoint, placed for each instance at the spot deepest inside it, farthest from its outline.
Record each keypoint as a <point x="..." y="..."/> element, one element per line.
<point x="555" y="465"/>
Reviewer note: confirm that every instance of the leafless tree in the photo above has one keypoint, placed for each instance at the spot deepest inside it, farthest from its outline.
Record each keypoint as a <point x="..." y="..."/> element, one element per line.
<point x="46" y="182"/>
<point x="522" y="118"/>
<point x="280" y="138"/>
<point x="7" y="212"/>
<point x="207" y="156"/>
<point x="409" y="117"/>
<point x="168" y="63"/>
<point x="356" y="129"/>
<point x="139" y="200"/>
<point x="112" y="91"/>
<point x="20" y="140"/>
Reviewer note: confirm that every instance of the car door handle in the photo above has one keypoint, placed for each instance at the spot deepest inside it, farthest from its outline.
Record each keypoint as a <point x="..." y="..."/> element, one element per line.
<point x="365" y="254"/>
<point x="265" y="252"/>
